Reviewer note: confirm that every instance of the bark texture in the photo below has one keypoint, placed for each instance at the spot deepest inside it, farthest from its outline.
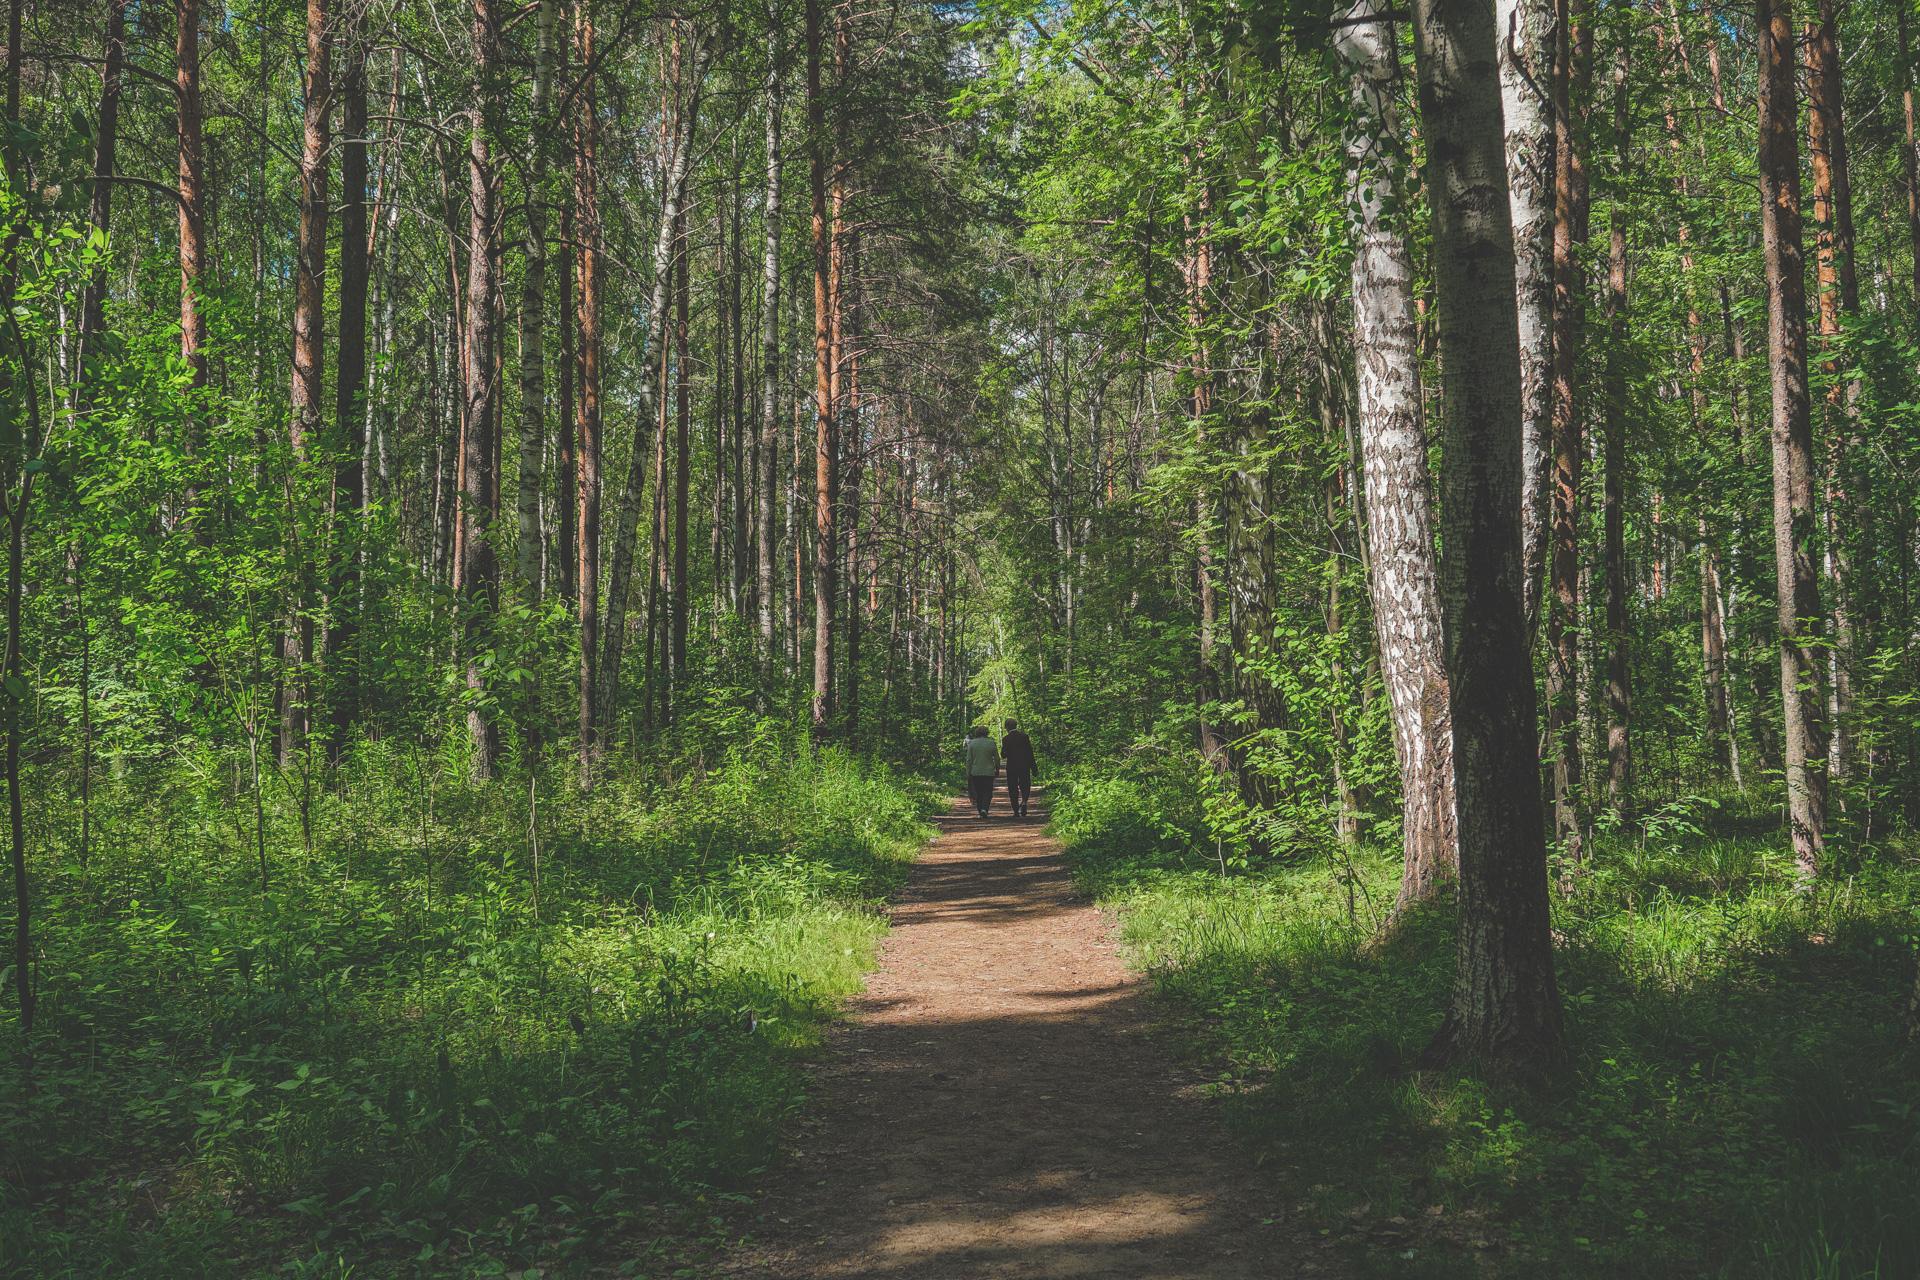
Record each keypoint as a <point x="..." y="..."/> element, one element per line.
<point x="1402" y="574"/>
<point x="1505" y="1009"/>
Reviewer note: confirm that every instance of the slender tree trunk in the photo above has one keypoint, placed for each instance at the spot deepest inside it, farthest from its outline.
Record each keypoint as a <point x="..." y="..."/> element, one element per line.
<point x="825" y="559"/>
<point x="1403" y="576"/>
<point x="1839" y="296"/>
<point x="586" y="207"/>
<point x="1526" y="32"/>
<point x="1794" y="517"/>
<point x="1506" y="1005"/>
<point x="533" y="317"/>
<point x="652" y="395"/>
<point x="1614" y="553"/>
<point x="193" y="175"/>
<point x="16" y="517"/>
<point x="106" y="139"/>
<point x="309" y="354"/>
<point x="566" y="456"/>
<point x="480" y="570"/>
<point x="770" y="359"/>
<point x="350" y="385"/>
<point x="1910" y="144"/>
<point x="682" y="455"/>
<point x="1574" y="65"/>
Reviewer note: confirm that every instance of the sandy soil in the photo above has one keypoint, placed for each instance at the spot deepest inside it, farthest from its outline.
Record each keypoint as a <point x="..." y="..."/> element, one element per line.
<point x="998" y="1104"/>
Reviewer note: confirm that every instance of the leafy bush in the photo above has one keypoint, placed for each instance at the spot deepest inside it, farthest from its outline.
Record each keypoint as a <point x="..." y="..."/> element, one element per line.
<point x="433" y="1040"/>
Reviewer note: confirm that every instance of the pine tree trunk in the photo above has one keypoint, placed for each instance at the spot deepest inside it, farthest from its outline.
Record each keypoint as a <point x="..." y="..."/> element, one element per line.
<point x="106" y="141"/>
<point x="682" y="457"/>
<point x="769" y="483"/>
<point x="1403" y="577"/>
<point x="350" y="378"/>
<point x="480" y="571"/>
<point x="1506" y="1006"/>
<point x="1614" y="552"/>
<point x="309" y="350"/>
<point x="1910" y="143"/>
<point x="1794" y="517"/>
<point x="533" y="318"/>
<point x="193" y="176"/>
<point x="824" y="550"/>
<point x="586" y="208"/>
<point x="1574" y="62"/>
<point x="1839" y="296"/>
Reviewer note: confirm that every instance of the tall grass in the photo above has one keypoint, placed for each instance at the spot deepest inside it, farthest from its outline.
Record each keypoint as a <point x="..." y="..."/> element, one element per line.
<point x="433" y="1043"/>
<point x="1742" y="1100"/>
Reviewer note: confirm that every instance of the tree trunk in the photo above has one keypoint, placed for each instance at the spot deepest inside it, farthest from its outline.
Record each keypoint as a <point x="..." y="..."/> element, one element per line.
<point x="1506" y="1006"/>
<point x="1402" y="578"/>
<point x="1910" y="144"/>
<point x="106" y="139"/>
<point x="533" y="318"/>
<point x="193" y="175"/>
<point x="1526" y="32"/>
<point x="676" y="155"/>
<point x="480" y="570"/>
<point x="1614" y="553"/>
<point x="825" y="559"/>
<point x="770" y="360"/>
<point x="1839" y="296"/>
<point x="350" y="385"/>
<point x="1794" y="518"/>
<point x="309" y="350"/>
<point x="682" y="455"/>
<point x="586" y="208"/>
<point x="1574" y="67"/>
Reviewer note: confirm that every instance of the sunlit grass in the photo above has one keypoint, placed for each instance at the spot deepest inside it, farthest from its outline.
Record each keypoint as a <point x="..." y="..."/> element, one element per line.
<point x="1742" y="1101"/>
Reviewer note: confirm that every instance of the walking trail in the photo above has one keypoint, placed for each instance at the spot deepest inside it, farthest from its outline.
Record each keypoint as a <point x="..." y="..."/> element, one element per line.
<point x="998" y="1105"/>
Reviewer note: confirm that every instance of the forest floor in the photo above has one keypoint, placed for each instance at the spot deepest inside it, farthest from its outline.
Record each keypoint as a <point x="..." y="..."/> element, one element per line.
<point x="1000" y="1102"/>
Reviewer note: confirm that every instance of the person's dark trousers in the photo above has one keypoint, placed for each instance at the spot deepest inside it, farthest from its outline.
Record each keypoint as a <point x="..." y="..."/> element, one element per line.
<point x="1019" y="788"/>
<point x="981" y="789"/>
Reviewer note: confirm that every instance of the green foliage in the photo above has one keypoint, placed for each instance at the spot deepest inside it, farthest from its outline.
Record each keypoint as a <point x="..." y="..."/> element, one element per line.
<point x="434" y="1045"/>
<point x="1742" y="1100"/>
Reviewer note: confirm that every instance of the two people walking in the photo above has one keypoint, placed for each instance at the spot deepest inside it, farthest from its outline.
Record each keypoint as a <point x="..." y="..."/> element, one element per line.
<point x="984" y="761"/>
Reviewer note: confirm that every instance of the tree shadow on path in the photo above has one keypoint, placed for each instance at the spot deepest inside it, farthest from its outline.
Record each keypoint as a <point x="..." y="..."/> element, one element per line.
<point x="998" y="1105"/>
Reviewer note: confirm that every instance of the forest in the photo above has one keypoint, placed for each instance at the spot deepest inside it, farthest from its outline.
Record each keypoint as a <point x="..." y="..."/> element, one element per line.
<point x="512" y="506"/>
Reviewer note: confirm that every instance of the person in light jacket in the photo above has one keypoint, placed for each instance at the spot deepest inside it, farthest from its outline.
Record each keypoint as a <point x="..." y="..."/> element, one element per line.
<point x="983" y="765"/>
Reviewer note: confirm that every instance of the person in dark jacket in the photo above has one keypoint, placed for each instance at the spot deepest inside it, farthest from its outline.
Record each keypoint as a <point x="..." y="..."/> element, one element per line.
<point x="1016" y="754"/>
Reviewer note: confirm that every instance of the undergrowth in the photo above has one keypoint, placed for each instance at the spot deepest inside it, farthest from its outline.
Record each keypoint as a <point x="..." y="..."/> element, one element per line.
<point x="430" y="1044"/>
<point x="1742" y="1101"/>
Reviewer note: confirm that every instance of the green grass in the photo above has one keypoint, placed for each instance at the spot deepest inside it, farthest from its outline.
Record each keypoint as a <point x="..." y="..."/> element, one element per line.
<point x="1742" y="1101"/>
<point x="395" y="1062"/>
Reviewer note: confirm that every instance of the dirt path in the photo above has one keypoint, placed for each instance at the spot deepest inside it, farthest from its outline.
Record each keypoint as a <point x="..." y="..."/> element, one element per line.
<point x="997" y="1104"/>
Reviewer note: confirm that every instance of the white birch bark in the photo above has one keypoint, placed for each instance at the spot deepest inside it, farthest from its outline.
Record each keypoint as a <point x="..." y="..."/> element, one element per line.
<point x="1402" y="577"/>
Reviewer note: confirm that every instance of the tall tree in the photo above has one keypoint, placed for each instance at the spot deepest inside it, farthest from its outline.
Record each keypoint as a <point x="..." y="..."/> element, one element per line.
<point x="1402" y="575"/>
<point x="350" y="383"/>
<point x="193" y="180"/>
<point x="825" y="551"/>
<point x="1794" y="518"/>
<point x="586" y="211"/>
<point x="106" y="143"/>
<point x="1505" y="1009"/>
<point x="1839" y="300"/>
<point x="480" y="569"/>
<point x="769" y="444"/>
<point x="1614" y="430"/>
<point x="533" y="315"/>
<point x="1573" y="70"/>
<point x="1526" y="31"/>
<point x="309" y="353"/>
